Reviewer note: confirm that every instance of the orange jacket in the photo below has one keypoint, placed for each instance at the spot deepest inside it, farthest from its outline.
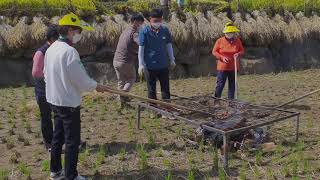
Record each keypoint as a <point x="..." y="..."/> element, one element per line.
<point x="225" y="48"/>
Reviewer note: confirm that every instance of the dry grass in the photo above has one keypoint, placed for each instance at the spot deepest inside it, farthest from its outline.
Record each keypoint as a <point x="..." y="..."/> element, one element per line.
<point x="305" y="23"/>
<point x="282" y="27"/>
<point x="179" y="31"/>
<point x="294" y="28"/>
<point x="204" y="29"/>
<point x="315" y="26"/>
<point x="216" y="26"/>
<point x="195" y="30"/>
<point x="111" y="30"/>
<point x="19" y="36"/>
<point x="38" y="30"/>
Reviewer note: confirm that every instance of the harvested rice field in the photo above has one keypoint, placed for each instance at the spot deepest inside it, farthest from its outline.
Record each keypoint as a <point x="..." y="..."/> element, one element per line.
<point x="162" y="149"/>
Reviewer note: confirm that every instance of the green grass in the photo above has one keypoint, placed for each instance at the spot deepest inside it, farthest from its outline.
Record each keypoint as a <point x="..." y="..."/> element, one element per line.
<point x="278" y="5"/>
<point x="24" y="169"/>
<point x="30" y="7"/>
<point x="4" y="174"/>
<point x="99" y="7"/>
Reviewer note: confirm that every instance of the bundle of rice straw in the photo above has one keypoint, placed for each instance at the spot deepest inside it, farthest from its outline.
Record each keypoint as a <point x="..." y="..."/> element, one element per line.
<point x="216" y="26"/>
<point x="305" y="24"/>
<point x="111" y="31"/>
<point x="38" y="31"/>
<point x="204" y="30"/>
<point x="19" y="36"/>
<point x="282" y="28"/>
<point x="180" y="33"/>
<point x="192" y="26"/>
<point x="294" y="28"/>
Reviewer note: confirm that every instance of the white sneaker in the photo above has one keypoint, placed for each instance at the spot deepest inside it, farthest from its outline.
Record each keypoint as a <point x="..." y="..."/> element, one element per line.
<point x="57" y="175"/>
<point x="80" y="178"/>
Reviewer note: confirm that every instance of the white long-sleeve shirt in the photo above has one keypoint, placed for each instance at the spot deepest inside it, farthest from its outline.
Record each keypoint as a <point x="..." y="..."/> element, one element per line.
<point x="65" y="76"/>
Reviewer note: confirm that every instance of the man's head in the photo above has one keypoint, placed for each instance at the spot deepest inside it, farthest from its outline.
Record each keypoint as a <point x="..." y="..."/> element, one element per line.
<point x="73" y="33"/>
<point x="137" y="21"/>
<point x="52" y="34"/>
<point x="156" y="17"/>
<point x="70" y="26"/>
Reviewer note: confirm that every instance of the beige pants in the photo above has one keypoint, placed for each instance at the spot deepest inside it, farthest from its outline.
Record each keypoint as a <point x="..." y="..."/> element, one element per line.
<point x="126" y="75"/>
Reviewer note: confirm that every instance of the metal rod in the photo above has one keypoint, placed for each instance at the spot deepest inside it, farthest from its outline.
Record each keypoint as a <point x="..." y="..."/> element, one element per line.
<point x="297" y="99"/>
<point x="257" y="106"/>
<point x="170" y="114"/>
<point x="236" y="78"/>
<point x="138" y="116"/>
<point x="261" y="124"/>
<point x="225" y="152"/>
<point x="166" y="104"/>
<point x="297" y="127"/>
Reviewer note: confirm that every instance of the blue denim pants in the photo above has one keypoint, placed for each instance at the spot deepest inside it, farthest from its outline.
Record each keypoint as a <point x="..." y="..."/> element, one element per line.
<point x="222" y="77"/>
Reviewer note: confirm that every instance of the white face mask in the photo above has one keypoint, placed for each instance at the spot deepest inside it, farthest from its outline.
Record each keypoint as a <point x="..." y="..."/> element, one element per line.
<point x="76" y="38"/>
<point x="230" y="35"/>
<point x="140" y="27"/>
<point x="156" y="25"/>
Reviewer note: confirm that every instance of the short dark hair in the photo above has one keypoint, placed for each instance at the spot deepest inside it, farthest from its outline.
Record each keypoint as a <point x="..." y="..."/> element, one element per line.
<point x="63" y="30"/>
<point x="156" y="13"/>
<point x="52" y="33"/>
<point x="136" y="17"/>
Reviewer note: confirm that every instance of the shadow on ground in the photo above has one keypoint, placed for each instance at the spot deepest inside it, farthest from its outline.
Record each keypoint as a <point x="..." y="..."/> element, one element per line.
<point x="159" y="174"/>
<point x="114" y="148"/>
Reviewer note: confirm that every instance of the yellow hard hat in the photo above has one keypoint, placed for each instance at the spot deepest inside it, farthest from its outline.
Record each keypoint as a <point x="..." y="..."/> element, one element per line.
<point x="230" y="28"/>
<point x="73" y="20"/>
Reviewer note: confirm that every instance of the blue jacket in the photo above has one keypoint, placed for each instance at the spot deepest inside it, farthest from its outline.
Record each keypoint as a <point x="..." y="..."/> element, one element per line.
<point x="155" y="50"/>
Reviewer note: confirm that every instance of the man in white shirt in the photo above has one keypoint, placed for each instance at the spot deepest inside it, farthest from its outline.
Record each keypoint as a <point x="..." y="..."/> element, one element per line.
<point x="66" y="79"/>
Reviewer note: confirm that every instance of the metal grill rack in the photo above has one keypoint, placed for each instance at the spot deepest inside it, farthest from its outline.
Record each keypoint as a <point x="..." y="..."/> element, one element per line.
<point x="226" y="117"/>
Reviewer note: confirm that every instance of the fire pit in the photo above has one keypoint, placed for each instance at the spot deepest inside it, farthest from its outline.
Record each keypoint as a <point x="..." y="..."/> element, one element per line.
<point x="225" y="117"/>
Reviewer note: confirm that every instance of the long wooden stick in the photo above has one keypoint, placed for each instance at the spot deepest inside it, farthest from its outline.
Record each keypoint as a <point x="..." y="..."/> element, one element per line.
<point x="236" y="78"/>
<point x="297" y="99"/>
<point x="166" y="104"/>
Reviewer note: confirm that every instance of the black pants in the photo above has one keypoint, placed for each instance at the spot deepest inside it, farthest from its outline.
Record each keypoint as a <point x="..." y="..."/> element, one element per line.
<point x="163" y="76"/>
<point x="45" y="111"/>
<point x="66" y="129"/>
<point x="222" y="77"/>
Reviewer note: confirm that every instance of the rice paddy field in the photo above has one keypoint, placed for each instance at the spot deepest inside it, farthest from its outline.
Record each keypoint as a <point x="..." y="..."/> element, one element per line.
<point x="160" y="149"/>
<point x="110" y="7"/>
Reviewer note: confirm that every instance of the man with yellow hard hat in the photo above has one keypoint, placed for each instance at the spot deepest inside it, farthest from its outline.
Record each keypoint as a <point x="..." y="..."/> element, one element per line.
<point x="66" y="79"/>
<point x="227" y="50"/>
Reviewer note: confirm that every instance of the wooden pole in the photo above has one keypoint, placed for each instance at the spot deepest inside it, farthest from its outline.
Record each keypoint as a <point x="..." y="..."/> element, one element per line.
<point x="236" y="78"/>
<point x="166" y="104"/>
<point x="297" y="99"/>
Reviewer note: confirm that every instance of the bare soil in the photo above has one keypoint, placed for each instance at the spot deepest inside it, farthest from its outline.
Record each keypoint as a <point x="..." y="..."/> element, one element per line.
<point x="117" y="150"/>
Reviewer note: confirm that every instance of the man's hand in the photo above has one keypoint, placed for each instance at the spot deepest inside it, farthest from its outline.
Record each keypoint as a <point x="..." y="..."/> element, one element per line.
<point x="225" y="60"/>
<point x="100" y="88"/>
<point x="141" y="70"/>
<point x="236" y="56"/>
<point x="172" y="65"/>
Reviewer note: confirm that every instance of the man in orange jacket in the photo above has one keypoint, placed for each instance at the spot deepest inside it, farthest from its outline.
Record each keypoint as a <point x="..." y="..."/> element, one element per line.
<point x="227" y="50"/>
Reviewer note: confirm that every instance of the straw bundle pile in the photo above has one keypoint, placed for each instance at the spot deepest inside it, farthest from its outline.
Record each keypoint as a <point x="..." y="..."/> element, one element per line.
<point x="192" y="26"/>
<point x="204" y="30"/>
<point x="111" y="31"/>
<point x="315" y="26"/>
<point x="19" y="36"/>
<point x="179" y="31"/>
<point x="294" y="28"/>
<point x="216" y="26"/>
<point x="194" y="34"/>
<point x="38" y="30"/>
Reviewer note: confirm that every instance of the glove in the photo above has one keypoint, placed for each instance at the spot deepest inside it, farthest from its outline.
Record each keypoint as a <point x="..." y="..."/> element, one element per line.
<point x="172" y="65"/>
<point x="141" y="70"/>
